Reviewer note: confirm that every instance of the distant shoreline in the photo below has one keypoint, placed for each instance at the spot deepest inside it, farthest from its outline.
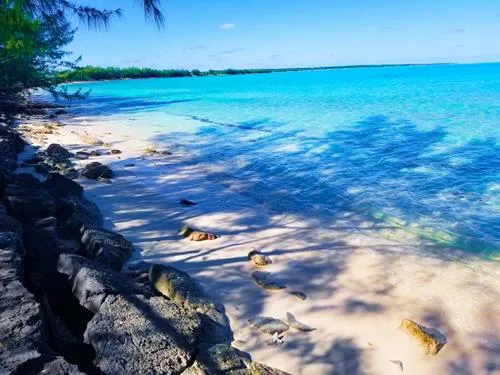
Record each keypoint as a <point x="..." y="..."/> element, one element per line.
<point x="93" y="74"/>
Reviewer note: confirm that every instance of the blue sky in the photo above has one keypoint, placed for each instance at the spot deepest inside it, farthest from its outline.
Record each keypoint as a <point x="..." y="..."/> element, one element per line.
<point x="213" y="34"/>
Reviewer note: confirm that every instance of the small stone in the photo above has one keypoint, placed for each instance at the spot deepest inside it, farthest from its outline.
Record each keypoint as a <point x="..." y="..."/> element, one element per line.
<point x="165" y="153"/>
<point x="264" y="280"/>
<point x="299" y="295"/>
<point x="187" y="203"/>
<point x="95" y="153"/>
<point x="259" y="258"/>
<point x="295" y="324"/>
<point x="129" y="165"/>
<point x="195" y="235"/>
<point x="431" y="340"/>
<point x="82" y="155"/>
<point x="269" y="325"/>
<point x="115" y="152"/>
<point x="398" y="363"/>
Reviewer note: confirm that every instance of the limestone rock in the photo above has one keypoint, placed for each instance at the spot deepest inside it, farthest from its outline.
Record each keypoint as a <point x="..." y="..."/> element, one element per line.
<point x="95" y="170"/>
<point x="431" y="340"/>
<point x="295" y="324"/>
<point x="92" y="282"/>
<point x="265" y="280"/>
<point x="135" y="335"/>
<point x="195" y="235"/>
<point x="107" y="247"/>
<point x="268" y="325"/>
<point x="181" y="288"/>
<point x="258" y="258"/>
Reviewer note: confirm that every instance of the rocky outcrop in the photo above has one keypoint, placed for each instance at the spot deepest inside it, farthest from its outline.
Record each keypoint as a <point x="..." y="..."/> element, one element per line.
<point x="92" y="282"/>
<point x="135" y="335"/>
<point x="181" y="288"/>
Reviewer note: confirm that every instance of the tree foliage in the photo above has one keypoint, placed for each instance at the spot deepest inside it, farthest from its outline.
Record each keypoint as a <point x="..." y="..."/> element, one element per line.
<point x="33" y="34"/>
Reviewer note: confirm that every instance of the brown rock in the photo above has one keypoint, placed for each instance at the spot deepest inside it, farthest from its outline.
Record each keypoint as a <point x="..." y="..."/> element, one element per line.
<point x="258" y="258"/>
<point x="115" y="152"/>
<point x="431" y="340"/>
<point x="195" y="235"/>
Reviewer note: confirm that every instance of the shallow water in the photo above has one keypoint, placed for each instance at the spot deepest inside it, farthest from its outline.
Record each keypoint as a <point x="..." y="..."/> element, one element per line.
<point x="415" y="146"/>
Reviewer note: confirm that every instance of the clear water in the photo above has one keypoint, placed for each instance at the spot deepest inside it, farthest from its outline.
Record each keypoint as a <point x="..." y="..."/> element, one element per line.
<point x="417" y="146"/>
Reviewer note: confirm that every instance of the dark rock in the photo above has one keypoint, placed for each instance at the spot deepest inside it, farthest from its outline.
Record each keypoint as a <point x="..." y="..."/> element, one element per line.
<point x="82" y="155"/>
<point x="57" y="151"/>
<point x="43" y="168"/>
<point x="59" y="366"/>
<point x="129" y="165"/>
<point x="26" y="198"/>
<point x="107" y="247"/>
<point x="181" y="288"/>
<point x="70" y="173"/>
<point x="21" y="329"/>
<point x="135" y="335"/>
<point x="80" y="214"/>
<point x="95" y="170"/>
<point x="60" y="112"/>
<point x="64" y="187"/>
<point x="115" y="152"/>
<point x="92" y="282"/>
<point x="95" y="153"/>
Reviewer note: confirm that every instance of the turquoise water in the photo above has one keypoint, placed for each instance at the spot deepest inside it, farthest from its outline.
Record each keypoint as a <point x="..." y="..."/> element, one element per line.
<point x="416" y="146"/>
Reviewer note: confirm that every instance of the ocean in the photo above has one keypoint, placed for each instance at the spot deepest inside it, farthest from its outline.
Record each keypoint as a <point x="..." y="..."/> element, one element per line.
<point x="416" y="146"/>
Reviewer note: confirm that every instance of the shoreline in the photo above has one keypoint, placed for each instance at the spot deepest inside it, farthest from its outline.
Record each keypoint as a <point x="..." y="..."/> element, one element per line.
<point x="358" y="285"/>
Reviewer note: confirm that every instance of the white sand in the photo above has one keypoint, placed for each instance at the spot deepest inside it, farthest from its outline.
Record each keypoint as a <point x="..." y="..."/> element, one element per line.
<point x="361" y="278"/>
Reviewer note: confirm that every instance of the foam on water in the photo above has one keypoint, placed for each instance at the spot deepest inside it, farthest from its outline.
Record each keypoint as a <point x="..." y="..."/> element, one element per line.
<point x="415" y="146"/>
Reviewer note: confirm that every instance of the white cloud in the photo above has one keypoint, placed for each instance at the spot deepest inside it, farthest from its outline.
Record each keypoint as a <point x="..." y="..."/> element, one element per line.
<point x="227" y="26"/>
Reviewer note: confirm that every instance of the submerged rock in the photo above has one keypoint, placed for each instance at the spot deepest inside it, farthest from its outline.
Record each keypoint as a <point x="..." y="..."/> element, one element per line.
<point x="187" y="203"/>
<point x="135" y="335"/>
<point x="265" y="280"/>
<point x="195" y="235"/>
<point x="95" y="170"/>
<point x="258" y="258"/>
<point x="269" y="325"/>
<point x="295" y="324"/>
<point x="431" y="340"/>
<point x="181" y="288"/>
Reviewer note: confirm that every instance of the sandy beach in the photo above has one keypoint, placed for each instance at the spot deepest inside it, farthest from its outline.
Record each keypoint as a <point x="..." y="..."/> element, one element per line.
<point x="361" y="277"/>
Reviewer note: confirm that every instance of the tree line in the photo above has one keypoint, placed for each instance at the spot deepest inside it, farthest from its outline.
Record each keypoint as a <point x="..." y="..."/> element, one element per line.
<point x="33" y="37"/>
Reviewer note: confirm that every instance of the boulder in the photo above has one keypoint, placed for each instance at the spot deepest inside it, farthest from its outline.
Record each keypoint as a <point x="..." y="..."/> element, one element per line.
<point x="79" y="214"/>
<point x="21" y="330"/>
<point x="136" y="335"/>
<point x="181" y="288"/>
<point x="431" y="340"/>
<point x="92" y="282"/>
<point x="58" y="152"/>
<point x="95" y="170"/>
<point x="107" y="247"/>
<point x="26" y="198"/>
